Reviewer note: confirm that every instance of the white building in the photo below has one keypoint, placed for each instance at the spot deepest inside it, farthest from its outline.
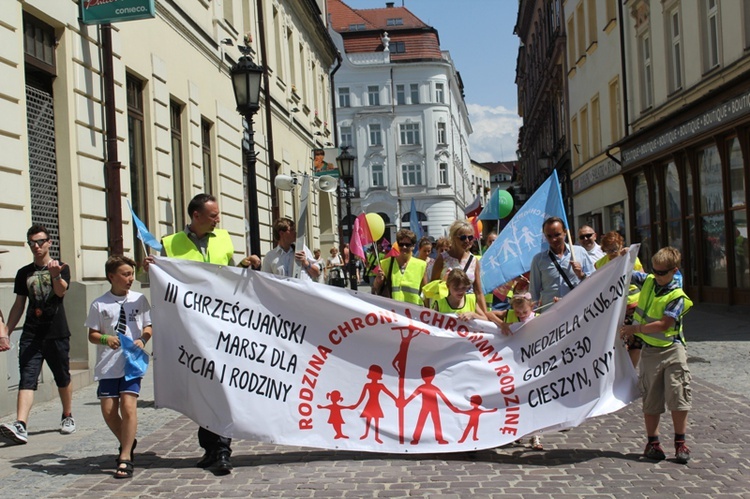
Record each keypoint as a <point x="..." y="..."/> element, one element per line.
<point x="400" y="107"/>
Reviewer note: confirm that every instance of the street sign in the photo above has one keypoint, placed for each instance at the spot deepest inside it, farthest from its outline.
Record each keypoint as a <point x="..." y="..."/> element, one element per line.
<point x="110" y="11"/>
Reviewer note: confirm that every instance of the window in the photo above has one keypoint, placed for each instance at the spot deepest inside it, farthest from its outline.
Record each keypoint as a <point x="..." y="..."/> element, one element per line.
<point x="746" y="21"/>
<point x="675" y="52"/>
<point x="377" y="176"/>
<point x="611" y="10"/>
<point x="410" y="134"/>
<point x="396" y="21"/>
<point x="414" y="91"/>
<point x="647" y="97"/>
<point x="178" y="201"/>
<point x="303" y="77"/>
<point x="712" y="33"/>
<point x="344" y="97"/>
<point x="443" y="173"/>
<point x="376" y="137"/>
<point x="440" y="93"/>
<point x="596" y="129"/>
<point x="591" y="13"/>
<point x="400" y="94"/>
<point x="711" y="217"/>
<point x="615" y="113"/>
<point x="584" y="117"/>
<point x="136" y="139"/>
<point x="206" y="155"/>
<point x="411" y="174"/>
<point x="581" y="23"/>
<point x="373" y="95"/>
<point x="345" y="136"/>
<point x="357" y="27"/>
<point x="397" y="47"/>
<point x="571" y="43"/>
<point x="278" y="44"/>
<point x="576" y="145"/>
<point x="442" y="136"/>
<point x="738" y="213"/>
<point x="292" y="64"/>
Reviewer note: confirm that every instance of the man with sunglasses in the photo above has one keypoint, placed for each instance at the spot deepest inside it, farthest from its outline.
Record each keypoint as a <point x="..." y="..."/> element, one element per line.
<point x="45" y="336"/>
<point x="405" y="274"/>
<point x="587" y="240"/>
<point x="559" y="269"/>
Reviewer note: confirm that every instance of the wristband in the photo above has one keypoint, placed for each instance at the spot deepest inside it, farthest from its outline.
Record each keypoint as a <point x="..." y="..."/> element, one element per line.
<point x="103" y="339"/>
<point x="57" y="278"/>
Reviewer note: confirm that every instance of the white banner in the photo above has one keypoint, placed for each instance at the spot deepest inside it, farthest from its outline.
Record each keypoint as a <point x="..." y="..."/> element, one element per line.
<point x="252" y="355"/>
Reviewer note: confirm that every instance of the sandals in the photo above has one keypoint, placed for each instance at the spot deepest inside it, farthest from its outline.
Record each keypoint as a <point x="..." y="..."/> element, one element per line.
<point x="124" y="469"/>
<point x="132" y="452"/>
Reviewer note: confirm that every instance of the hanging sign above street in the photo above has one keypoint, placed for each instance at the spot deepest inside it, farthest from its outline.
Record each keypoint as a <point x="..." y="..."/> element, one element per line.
<point x="110" y="11"/>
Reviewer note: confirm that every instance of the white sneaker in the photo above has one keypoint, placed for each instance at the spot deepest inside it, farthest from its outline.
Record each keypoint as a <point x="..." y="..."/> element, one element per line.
<point x="67" y="426"/>
<point x="15" y="432"/>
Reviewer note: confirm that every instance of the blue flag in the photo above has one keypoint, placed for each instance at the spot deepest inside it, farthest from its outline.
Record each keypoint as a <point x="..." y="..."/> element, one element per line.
<point x="143" y="233"/>
<point x="510" y="255"/>
<point x="414" y="222"/>
<point x="492" y="210"/>
<point x="136" y="359"/>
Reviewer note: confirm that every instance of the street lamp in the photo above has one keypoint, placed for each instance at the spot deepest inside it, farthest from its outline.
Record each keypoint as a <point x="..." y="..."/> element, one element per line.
<point x="246" y="77"/>
<point x="346" y="171"/>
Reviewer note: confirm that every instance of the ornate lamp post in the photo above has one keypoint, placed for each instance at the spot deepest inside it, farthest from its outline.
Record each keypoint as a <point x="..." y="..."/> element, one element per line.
<point x="346" y="170"/>
<point x="246" y="77"/>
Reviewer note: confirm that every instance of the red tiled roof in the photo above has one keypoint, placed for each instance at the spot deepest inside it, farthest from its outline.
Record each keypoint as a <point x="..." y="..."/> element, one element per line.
<point x="497" y="167"/>
<point x="420" y="40"/>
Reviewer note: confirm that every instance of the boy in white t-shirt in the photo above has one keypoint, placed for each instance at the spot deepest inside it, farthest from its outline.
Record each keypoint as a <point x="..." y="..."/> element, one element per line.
<point x="119" y="311"/>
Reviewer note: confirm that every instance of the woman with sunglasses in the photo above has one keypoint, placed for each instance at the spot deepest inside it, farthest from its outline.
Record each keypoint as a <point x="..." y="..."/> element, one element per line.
<point x="458" y="256"/>
<point x="405" y="274"/>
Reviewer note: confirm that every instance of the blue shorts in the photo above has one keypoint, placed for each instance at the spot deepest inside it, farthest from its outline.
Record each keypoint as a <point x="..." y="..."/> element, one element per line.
<point x="113" y="387"/>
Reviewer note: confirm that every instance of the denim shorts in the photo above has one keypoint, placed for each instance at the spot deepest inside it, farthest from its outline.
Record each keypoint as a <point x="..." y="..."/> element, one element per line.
<point x="33" y="351"/>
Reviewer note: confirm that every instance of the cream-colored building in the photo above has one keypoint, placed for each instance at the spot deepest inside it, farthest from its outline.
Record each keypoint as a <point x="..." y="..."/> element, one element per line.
<point x="178" y="133"/>
<point x="596" y="115"/>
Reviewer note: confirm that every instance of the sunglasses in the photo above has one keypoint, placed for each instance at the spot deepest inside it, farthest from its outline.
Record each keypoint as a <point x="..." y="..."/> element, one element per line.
<point x="464" y="237"/>
<point x="662" y="272"/>
<point x="611" y="250"/>
<point x="585" y="236"/>
<point x="38" y="242"/>
<point x="405" y="245"/>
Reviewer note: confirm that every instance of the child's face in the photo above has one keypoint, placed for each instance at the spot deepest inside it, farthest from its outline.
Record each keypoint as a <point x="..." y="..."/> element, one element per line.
<point x="122" y="279"/>
<point x="458" y="290"/>
<point x="662" y="275"/>
<point x="522" y="310"/>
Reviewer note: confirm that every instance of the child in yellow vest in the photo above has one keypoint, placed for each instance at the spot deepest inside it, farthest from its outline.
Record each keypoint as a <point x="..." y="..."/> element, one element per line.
<point x="458" y="300"/>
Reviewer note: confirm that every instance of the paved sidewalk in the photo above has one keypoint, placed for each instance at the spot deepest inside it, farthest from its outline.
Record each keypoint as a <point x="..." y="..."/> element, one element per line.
<point x="600" y="458"/>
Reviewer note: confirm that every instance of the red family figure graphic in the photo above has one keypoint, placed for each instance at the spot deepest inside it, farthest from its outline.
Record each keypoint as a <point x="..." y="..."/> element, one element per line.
<point x="335" y="418"/>
<point x="399" y="364"/>
<point x="372" y="411"/>
<point x="474" y="413"/>
<point x="430" y="394"/>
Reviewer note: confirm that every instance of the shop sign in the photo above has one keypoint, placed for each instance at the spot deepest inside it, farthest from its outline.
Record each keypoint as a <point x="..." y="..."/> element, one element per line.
<point x="595" y="174"/>
<point x="110" y="11"/>
<point x="714" y="118"/>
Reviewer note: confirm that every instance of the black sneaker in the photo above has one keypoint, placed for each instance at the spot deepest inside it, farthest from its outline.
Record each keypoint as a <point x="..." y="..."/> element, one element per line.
<point x="654" y="451"/>
<point x="681" y="453"/>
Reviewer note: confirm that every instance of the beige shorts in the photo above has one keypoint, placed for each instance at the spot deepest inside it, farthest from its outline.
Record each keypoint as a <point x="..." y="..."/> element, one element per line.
<point x="664" y="379"/>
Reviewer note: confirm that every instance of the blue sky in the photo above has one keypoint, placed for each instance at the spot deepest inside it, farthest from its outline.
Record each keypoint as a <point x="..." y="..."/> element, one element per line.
<point x="479" y="36"/>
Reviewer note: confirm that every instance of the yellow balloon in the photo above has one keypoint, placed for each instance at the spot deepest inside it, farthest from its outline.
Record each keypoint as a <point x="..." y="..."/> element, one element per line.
<point x="376" y="224"/>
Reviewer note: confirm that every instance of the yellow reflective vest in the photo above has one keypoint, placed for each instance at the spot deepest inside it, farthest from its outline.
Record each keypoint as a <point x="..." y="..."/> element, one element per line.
<point x="406" y="287"/>
<point x="470" y="305"/>
<point x="651" y="309"/>
<point x="633" y="291"/>
<point x="220" y="249"/>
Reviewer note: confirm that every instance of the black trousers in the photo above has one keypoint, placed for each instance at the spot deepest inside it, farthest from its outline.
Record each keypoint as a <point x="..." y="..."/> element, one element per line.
<point x="213" y="442"/>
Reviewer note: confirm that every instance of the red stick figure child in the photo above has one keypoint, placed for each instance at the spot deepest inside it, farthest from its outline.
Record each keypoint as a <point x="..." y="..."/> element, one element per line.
<point x="335" y="418"/>
<point x="372" y="411"/>
<point x="474" y="413"/>
<point x="430" y="394"/>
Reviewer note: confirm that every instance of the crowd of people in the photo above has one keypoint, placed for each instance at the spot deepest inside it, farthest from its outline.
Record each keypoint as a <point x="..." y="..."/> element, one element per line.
<point x="443" y="274"/>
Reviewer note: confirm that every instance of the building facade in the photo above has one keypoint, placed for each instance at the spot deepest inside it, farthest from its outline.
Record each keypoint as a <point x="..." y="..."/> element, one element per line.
<point x="178" y="133"/>
<point x="596" y="122"/>
<point x="686" y="160"/>
<point x="543" y="140"/>
<point x="401" y="111"/>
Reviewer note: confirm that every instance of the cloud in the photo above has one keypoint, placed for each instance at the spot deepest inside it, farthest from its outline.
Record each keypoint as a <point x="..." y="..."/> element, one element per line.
<point x="495" y="136"/>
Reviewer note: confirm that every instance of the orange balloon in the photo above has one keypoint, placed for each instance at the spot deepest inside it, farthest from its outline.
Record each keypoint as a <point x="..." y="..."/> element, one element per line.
<point x="479" y="224"/>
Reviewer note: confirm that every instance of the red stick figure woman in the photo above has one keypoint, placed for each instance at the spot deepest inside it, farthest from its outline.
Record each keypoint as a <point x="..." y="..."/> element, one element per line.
<point x="430" y="394"/>
<point x="335" y="418"/>
<point x="474" y="413"/>
<point x="372" y="411"/>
